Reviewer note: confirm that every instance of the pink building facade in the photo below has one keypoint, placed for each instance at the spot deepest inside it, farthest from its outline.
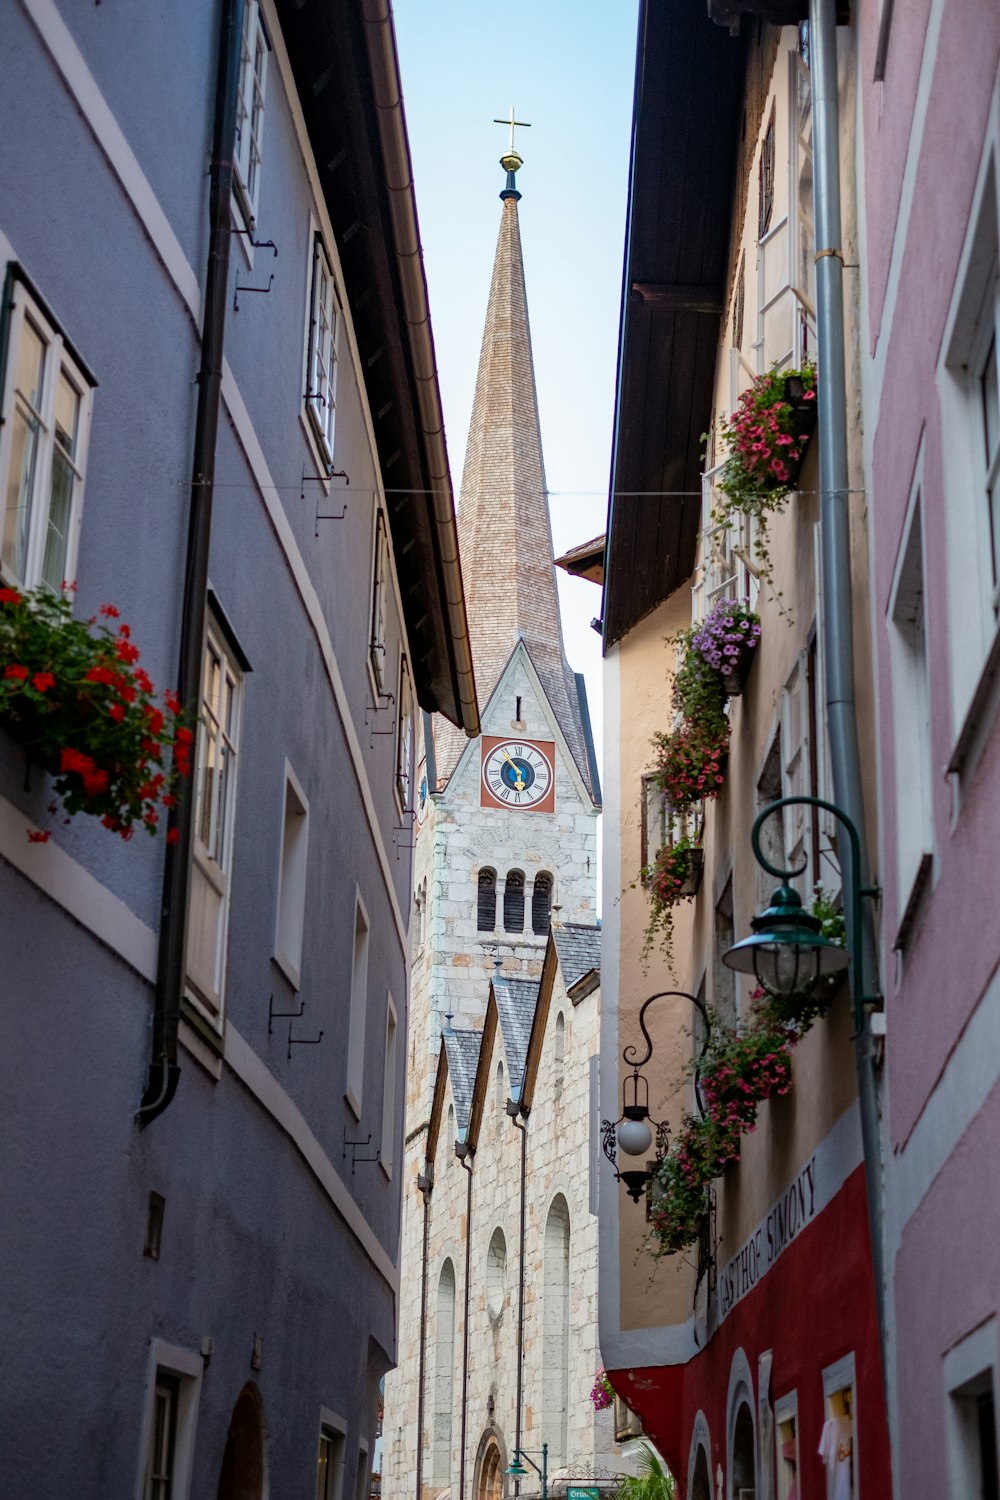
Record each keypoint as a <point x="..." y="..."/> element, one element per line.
<point x="929" y="184"/>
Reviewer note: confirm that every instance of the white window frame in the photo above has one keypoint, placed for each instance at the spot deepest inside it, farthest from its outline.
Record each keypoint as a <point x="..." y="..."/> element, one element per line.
<point x="208" y="997"/>
<point x="837" y="1378"/>
<point x="293" y="856"/>
<point x="250" y="107"/>
<point x="909" y="655"/>
<point x="358" y="1014"/>
<point x="404" y="738"/>
<point x="723" y="568"/>
<point x="332" y="1426"/>
<point x="386" y="1150"/>
<point x="379" y="620"/>
<point x="21" y="305"/>
<point x="186" y="1367"/>
<point x="323" y="329"/>
<point x="786" y="1409"/>
<point x="969" y="1366"/>
<point x="972" y="627"/>
<point x="796" y="772"/>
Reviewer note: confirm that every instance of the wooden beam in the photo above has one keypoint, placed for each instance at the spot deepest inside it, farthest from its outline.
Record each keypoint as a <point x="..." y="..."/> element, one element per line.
<point x="676" y="297"/>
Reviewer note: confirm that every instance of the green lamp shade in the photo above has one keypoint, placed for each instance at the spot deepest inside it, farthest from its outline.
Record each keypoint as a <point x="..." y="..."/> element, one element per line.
<point x="517" y="1469"/>
<point x="787" y="952"/>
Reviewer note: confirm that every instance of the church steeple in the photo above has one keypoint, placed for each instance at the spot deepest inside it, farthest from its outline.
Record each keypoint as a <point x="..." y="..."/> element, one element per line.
<point x="503" y="518"/>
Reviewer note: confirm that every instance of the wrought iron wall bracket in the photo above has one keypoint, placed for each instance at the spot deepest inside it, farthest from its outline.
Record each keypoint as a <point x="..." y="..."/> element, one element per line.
<point x="301" y="1041"/>
<point x="353" y="1146"/>
<point x="262" y="289"/>
<point x="861" y="996"/>
<point x="280" y="1015"/>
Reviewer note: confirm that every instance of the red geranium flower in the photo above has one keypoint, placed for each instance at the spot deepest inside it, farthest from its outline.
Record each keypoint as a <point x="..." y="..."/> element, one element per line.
<point x="42" y="681"/>
<point x="39" y="835"/>
<point x="9" y="596"/>
<point x="16" y="672"/>
<point x="109" y="610"/>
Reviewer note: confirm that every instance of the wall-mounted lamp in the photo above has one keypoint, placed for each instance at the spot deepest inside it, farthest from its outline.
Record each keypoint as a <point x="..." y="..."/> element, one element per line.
<point x="632" y="1133"/>
<point x="787" y="952"/>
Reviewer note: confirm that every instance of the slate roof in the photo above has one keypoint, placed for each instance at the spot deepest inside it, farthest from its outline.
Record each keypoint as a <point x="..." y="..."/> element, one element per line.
<point x="516" y="1000"/>
<point x="462" y="1048"/>
<point x="579" y="950"/>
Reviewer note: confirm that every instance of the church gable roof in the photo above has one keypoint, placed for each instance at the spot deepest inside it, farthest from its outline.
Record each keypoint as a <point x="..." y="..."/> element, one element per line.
<point x="515" y="1003"/>
<point x="520" y="658"/>
<point x="462" y="1049"/>
<point x="579" y="951"/>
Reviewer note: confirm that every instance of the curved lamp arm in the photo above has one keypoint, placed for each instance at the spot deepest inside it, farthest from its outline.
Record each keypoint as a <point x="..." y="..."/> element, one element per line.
<point x="628" y="1055"/>
<point x="861" y="998"/>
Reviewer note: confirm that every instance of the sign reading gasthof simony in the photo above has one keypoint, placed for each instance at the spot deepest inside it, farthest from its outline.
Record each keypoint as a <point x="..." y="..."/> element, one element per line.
<point x="775" y="1232"/>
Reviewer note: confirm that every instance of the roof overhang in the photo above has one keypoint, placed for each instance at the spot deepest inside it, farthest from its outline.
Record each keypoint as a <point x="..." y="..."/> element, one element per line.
<point x="343" y="56"/>
<point x="685" y="137"/>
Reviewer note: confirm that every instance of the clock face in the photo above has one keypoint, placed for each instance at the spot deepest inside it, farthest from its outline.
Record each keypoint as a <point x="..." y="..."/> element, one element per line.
<point x="517" y="773"/>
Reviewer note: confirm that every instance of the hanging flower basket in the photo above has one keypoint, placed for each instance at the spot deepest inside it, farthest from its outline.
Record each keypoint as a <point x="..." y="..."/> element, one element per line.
<point x="674" y="876"/>
<point x="74" y="697"/>
<point x="768" y="437"/>
<point x="691" y="763"/>
<point x="601" y="1392"/>
<point x="726" y="641"/>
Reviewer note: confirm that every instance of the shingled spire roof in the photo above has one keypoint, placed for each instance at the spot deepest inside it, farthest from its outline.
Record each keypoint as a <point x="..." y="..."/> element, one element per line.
<point x="505" y="536"/>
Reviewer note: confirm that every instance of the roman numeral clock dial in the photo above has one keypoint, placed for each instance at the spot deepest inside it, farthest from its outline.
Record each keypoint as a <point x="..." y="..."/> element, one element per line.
<point x="518" y="774"/>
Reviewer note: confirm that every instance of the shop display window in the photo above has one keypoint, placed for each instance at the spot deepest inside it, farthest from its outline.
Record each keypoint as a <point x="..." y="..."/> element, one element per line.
<point x="836" y="1444"/>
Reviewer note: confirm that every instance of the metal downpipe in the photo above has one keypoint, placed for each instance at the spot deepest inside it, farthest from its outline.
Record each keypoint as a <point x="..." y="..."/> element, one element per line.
<point x="164" y="1070"/>
<point x="425" y="1183"/>
<point x="520" y="1125"/>
<point x="836" y="611"/>
<point x="467" y="1166"/>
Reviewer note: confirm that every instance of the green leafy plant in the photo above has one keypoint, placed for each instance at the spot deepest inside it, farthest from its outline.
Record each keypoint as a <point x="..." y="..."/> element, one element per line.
<point x="665" y="880"/>
<point x="689" y="762"/>
<point x="767" y="436"/>
<point x="739" y="1070"/>
<point x="73" y="694"/>
<point x="654" y="1480"/>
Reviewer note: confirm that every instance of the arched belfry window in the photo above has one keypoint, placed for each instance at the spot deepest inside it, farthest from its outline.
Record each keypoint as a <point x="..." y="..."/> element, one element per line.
<point x="541" y="903"/>
<point x="486" y="918"/>
<point x="513" y="902"/>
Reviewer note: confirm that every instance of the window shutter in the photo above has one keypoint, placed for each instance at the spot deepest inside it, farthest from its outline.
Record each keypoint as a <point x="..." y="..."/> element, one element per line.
<point x="513" y="902"/>
<point x="486" y="918"/>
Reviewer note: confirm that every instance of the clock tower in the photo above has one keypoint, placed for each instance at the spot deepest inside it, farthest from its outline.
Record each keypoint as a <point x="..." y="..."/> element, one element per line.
<point x="505" y="825"/>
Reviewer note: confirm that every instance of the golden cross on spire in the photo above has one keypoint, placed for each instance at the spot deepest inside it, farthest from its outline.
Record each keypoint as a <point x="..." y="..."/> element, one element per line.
<point x="524" y="124"/>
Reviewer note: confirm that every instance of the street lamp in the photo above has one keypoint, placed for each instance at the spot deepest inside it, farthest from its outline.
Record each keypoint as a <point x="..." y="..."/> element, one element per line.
<point x="631" y="1133"/>
<point x="518" y="1472"/>
<point x="787" y="952"/>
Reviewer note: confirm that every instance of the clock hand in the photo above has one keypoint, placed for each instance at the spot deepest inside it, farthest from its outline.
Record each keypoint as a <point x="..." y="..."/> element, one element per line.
<point x="519" y="779"/>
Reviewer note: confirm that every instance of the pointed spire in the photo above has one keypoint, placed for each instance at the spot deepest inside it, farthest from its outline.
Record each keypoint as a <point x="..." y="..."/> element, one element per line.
<point x="504" y="530"/>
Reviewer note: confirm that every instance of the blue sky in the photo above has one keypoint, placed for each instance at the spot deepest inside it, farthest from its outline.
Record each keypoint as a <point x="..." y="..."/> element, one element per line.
<point x="567" y="66"/>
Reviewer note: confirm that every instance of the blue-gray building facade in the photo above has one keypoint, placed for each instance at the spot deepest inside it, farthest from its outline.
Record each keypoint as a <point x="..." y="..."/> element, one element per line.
<point x="203" y="1302"/>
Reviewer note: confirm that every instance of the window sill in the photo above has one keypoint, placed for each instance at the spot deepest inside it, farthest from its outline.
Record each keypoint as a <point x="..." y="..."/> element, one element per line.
<point x="980" y="716"/>
<point x="207" y="1057"/>
<point x="322" y="460"/>
<point x="913" y="909"/>
<point x="206" y="1030"/>
<point x="291" y="971"/>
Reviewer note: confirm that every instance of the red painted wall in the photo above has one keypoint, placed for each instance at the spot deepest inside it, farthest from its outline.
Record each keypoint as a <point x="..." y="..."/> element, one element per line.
<point x="816" y="1305"/>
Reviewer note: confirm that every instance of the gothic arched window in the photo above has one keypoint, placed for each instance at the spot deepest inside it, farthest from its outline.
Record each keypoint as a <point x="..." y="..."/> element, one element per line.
<point x="541" y="903"/>
<point x="555" y="1324"/>
<point x="444" y="1364"/>
<point x="486" y="913"/>
<point x="513" y="902"/>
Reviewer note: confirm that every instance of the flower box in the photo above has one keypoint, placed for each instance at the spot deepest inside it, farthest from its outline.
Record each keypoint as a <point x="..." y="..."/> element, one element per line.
<point x="736" y="671"/>
<point x="803" y="422"/>
<point x="695" y="869"/>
